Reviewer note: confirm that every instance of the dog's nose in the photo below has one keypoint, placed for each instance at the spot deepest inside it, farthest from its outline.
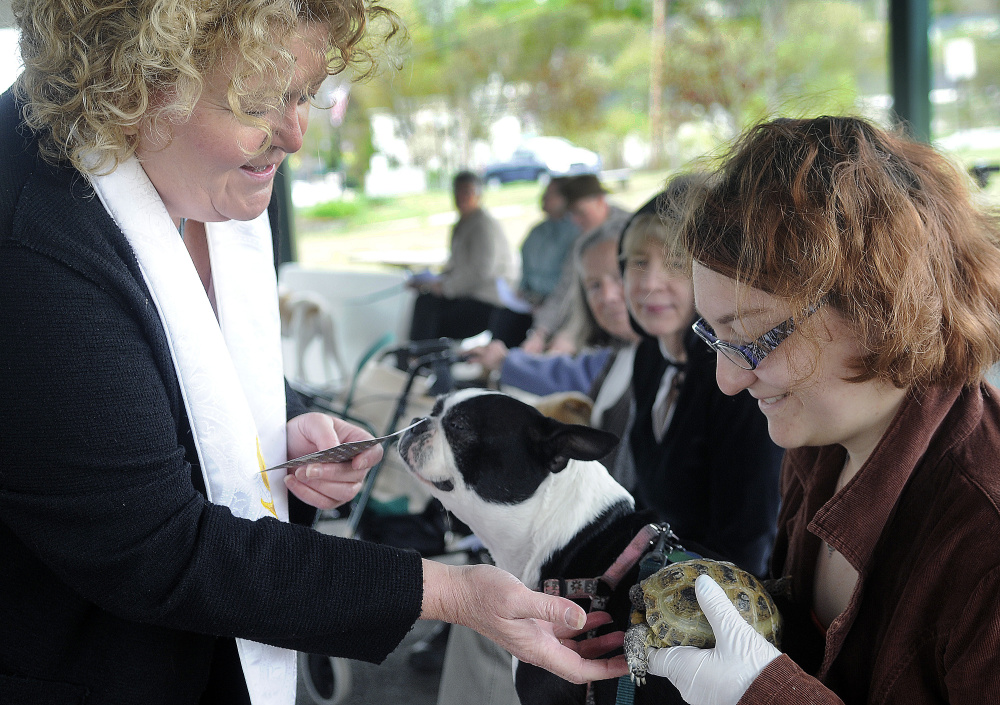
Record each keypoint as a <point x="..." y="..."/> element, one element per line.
<point x="421" y="425"/>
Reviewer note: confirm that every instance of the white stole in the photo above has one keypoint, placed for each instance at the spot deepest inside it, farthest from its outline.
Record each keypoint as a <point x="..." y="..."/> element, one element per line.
<point x="229" y="368"/>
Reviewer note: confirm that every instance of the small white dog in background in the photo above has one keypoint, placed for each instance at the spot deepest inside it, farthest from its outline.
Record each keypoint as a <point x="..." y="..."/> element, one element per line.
<point x="305" y="317"/>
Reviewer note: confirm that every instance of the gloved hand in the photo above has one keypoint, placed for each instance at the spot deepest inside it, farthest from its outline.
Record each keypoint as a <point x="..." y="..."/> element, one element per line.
<point x="718" y="676"/>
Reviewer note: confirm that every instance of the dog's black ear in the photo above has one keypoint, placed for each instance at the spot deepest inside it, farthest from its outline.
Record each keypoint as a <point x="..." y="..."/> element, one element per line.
<point x="562" y="442"/>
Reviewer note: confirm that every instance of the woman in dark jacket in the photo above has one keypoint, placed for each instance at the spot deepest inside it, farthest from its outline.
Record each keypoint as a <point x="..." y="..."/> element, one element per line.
<point x="703" y="460"/>
<point x="147" y="558"/>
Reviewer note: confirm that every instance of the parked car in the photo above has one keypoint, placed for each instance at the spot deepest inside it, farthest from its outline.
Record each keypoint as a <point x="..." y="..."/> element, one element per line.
<point x="541" y="158"/>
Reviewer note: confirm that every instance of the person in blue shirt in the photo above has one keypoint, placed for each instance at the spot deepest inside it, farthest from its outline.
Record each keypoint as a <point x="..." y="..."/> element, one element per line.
<point x="544" y="255"/>
<point x="548" y="244"/>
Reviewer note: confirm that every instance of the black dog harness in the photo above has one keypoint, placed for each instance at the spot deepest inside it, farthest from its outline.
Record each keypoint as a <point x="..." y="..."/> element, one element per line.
<point x="655" y="546"/>
<point x="598" y="589"/>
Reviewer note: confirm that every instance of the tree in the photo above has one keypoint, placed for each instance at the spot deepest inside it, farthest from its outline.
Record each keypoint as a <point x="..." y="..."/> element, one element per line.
<point x="583" y="69"/>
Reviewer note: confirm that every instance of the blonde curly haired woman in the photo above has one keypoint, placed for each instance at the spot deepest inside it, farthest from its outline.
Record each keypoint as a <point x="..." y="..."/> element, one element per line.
<point x="850" y="281"/>
<point x="146" y="557"/>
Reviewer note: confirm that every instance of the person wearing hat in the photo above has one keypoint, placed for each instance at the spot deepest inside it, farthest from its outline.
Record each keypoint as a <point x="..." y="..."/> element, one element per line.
<point x="544" y="253"/>
<point x="553" y="325"/>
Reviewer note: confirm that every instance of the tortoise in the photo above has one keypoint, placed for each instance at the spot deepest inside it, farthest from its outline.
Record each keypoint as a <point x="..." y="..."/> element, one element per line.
<point x="666" y="610"/>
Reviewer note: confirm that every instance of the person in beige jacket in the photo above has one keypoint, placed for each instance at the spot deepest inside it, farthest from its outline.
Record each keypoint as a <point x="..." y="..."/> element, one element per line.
<point x="460" y="302"/>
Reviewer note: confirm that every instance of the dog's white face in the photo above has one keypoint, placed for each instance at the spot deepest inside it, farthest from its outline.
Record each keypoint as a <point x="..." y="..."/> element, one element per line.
<point x="492" y="461"/>
<point x="494" y="445"/>
<point x="427" y="454"/>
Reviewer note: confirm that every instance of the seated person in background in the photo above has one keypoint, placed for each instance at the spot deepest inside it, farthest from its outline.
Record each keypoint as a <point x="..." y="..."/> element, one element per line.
<point x="544" y="254"/>
<point x="703" y="460"/>
<point x="548" y="246"/>
<point x="461" y="301"/>
<point x="603" y="370"/>
<point x="555" y="319"/>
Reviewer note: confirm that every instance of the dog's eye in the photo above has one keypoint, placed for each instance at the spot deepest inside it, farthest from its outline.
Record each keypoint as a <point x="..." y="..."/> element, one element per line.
<point x="457" y="423"/>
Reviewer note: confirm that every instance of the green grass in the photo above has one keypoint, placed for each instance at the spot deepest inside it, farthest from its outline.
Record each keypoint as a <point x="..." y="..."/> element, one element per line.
<point x="350" y="214"/>
<point x="335" y="210"/>
<point x="361" y="211"/>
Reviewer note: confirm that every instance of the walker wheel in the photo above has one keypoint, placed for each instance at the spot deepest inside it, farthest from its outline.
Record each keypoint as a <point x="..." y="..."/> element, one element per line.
<point x="327" y="679"/>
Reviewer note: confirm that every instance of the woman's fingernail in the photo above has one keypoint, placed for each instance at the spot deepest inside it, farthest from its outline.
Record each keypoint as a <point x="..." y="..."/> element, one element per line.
<point x="312" y="471"/>
<point x="574" y="619"/>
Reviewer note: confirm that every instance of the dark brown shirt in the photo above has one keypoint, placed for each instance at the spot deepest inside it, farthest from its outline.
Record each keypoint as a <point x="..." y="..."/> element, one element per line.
<point x="920" y="522"/>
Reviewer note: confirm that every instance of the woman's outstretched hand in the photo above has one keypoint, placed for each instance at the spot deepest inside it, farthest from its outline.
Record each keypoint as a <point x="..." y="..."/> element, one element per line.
<point x="534" y="627"/>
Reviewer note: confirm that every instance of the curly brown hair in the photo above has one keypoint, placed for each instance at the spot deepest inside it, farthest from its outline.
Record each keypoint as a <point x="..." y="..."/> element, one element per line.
<point x="94" y="68"/>
<point x="884" y="227"/>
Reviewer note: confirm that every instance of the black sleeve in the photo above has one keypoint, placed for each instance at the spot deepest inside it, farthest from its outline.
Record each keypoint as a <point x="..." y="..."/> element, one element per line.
<point x="295" y="403"/>
<point x="95" y="485"/>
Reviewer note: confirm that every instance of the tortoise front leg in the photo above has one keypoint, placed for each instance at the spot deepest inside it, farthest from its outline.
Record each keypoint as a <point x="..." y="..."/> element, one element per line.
<point x="637" y="637"/>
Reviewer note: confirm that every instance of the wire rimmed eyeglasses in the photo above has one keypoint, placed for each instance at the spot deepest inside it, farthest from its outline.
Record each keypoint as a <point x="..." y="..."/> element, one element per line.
<point x="750" y="355"/>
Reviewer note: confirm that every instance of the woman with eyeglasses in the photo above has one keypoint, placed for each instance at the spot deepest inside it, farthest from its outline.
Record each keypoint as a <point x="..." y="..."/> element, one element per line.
<point x="703" y="459"/>
<point x="848" y="280"/>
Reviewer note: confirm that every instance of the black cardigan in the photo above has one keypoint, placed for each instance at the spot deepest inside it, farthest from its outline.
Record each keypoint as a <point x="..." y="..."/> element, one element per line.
<point x="116" y="569"/>
<point x="715" y="474"/>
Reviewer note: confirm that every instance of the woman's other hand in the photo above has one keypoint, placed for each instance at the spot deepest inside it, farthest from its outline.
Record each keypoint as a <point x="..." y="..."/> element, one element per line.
<point x="535" y="342"/>
<point x="490" y="356"/>
<point x="534" y="627"/>
<point x="718" y="676"/>
<point x="327" y="485"/>
<point x="562" y="343"/>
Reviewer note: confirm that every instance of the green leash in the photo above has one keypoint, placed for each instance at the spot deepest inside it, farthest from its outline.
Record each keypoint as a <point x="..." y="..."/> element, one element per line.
<point x="667" y="550"/>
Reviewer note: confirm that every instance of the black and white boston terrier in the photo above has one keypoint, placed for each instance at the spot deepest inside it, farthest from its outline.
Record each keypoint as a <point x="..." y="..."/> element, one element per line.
<point x="531" y="489"/>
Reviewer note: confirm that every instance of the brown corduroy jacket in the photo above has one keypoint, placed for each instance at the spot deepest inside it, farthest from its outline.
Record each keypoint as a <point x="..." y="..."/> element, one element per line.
<point x="920" y="523"/>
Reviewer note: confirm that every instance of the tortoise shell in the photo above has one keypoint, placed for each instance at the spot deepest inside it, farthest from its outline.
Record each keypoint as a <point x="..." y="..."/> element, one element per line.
<point x="672" y="610"/>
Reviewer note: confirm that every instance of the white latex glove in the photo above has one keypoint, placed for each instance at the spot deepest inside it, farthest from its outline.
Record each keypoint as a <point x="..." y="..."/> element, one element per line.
<point x="718" y="676"/>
